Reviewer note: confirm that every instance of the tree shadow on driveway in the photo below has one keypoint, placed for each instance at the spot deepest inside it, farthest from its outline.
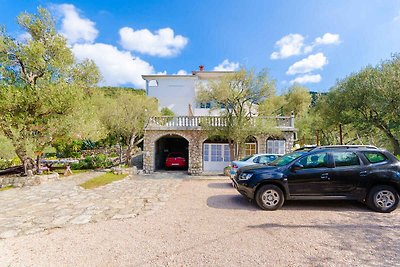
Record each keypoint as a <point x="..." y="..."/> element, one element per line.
<point x="221" y="185"/>
<point x="230" y="202"/>
<point x="238" y="202"/>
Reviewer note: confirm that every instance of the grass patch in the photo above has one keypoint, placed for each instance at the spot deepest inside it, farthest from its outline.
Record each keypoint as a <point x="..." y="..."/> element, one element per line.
<point x="6" y="188"/>
<point x="102" y="180"/>
<point x="61" y="171"/>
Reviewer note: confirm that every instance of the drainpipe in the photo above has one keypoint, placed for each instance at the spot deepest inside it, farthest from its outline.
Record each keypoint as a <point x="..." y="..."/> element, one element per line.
<point x="147" y="87"/>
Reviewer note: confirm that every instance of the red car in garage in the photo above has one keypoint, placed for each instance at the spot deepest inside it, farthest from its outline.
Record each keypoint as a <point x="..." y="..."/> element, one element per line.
<point x="176" y="160"/>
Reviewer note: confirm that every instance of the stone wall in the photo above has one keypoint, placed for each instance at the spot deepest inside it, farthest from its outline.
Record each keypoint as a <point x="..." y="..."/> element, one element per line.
<point x="195" y="139"/>
<point x="20" y="181"/>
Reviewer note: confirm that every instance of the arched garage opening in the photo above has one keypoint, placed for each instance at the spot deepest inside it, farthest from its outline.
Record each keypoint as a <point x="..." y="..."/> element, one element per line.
<point x="170" y="145"/>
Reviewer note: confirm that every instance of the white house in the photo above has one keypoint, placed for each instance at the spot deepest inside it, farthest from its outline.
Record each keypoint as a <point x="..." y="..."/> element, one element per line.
<point x="183" y="133"/>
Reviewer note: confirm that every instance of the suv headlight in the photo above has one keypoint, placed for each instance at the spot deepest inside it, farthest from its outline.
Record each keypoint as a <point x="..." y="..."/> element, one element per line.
<point x="245" y="176"/>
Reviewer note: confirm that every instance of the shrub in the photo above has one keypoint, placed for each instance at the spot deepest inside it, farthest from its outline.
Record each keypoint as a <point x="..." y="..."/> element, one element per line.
<point x="7" y="163"/>
<point x="113" y="155"/>
<point x="92" y="162"/>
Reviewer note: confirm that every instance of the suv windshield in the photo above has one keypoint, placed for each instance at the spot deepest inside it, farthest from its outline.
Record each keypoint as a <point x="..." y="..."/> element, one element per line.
<point x="286" y="159"/>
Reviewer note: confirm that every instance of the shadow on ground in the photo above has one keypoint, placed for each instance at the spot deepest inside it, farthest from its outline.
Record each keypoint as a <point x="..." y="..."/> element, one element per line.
<point x="230" y="202"/>
<point x="238" y="202"/>
<point x="222" y="185"/>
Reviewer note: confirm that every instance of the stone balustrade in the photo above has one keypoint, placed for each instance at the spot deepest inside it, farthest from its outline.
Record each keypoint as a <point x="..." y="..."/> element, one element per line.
<point x="197" y="122"/>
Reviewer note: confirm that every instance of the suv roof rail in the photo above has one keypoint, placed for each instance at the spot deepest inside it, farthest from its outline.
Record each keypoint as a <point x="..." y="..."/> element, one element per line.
<point x="345" y="146"/>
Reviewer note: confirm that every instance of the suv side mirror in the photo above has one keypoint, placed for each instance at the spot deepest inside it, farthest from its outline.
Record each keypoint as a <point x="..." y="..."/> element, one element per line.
<point x="297" y="166"/>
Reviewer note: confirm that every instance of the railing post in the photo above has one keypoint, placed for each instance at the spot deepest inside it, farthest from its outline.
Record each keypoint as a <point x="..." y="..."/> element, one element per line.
<point x="292" y="120"/>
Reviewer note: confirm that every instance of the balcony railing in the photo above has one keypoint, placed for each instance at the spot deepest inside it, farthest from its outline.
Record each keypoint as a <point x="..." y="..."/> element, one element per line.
<point x="196" y="122"/>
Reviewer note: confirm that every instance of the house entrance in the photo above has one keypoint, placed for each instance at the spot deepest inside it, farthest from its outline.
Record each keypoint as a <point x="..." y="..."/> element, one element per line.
<point x="175" y="148"/>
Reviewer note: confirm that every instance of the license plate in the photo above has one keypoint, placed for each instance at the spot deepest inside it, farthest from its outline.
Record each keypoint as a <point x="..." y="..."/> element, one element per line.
<point x="174" y="164"/>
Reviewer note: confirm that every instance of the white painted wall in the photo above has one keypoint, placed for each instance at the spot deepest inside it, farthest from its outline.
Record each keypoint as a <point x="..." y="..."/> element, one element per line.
<point x="178" y="91"/>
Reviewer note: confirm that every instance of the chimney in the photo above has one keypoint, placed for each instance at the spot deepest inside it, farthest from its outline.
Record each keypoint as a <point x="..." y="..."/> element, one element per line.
<point x="201" y="67"/>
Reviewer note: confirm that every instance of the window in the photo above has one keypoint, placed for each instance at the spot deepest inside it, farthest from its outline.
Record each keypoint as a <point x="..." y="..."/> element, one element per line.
<point x="266" y="159"/>
<point x="251" y="149"/>
<point x="227" y="153"/>
<point x="315" y="161"/>
<point x="343" y="159"/>
<point x="205" y="105"/>
<point x="375" y="157"/>
<point x="276" y="146"/>
<point x="153" y="83"/>
<point x="216" y="152"/>
<point x="206" y="152"/>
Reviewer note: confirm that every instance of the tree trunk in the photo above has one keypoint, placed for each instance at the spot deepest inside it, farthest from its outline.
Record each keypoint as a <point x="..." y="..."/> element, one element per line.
<point x="27" y="162"/>
<point x="131" y="145"/>
<point x="393" y="139"/>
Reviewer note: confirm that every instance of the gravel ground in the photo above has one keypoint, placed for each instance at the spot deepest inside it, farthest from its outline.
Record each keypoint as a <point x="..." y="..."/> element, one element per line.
<point x="206" y="223"/>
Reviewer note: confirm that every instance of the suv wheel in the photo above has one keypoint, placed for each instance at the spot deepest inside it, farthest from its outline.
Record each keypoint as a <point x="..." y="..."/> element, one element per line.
<point x="270" y="197"/>
<point x="383" y="198"/>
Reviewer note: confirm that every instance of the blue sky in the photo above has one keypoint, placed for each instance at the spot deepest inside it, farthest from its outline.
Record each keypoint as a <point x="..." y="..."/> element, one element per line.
<point x="311" y="42"/>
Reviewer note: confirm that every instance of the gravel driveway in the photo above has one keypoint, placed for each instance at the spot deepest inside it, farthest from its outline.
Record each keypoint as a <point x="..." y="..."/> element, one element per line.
<point x="206" y="223"/>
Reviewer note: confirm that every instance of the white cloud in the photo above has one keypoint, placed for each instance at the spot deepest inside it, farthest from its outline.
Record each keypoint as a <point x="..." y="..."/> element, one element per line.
<point x="24" y="37"/>
<point x="326" y="39"/>
<point x="117" y="67"/>
<point x="288" y="45"/>
<point x="293" y="44"/>
<point x="75" y="28"/>
<point x="163" y="43"/>
<point x="308" y="64"/>
<point x="316" y="78"/>
<point x="181" y="72"/>
<point x="226" y="65"/>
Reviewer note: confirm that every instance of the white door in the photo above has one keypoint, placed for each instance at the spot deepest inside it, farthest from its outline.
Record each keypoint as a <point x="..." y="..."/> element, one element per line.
<point x="215" y="157"/>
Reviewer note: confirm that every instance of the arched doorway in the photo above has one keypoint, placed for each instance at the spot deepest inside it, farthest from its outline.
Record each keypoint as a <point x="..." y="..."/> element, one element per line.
<point x="170" y="145"/>
<point x="216" y="155"/>
<point x="250" y="146"/>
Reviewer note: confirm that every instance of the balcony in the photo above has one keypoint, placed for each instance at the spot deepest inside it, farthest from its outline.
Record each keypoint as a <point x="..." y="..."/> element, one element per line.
<point x="284" y="123"/>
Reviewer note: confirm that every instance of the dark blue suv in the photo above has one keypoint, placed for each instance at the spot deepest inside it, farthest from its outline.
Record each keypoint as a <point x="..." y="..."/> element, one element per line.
<point x="362" y="173"/>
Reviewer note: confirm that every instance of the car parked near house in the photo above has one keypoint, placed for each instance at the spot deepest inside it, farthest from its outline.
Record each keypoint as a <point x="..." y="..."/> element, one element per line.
<point x="176" y="160"/>
<point x="362" y="173"/>
<point x="251" y="160"/>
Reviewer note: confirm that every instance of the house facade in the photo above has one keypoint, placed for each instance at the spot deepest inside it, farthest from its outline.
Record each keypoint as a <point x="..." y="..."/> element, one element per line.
<point x="183" y="132"/>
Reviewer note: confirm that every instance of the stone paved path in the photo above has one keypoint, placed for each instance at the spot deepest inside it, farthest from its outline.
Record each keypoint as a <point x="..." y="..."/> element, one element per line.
<point x="63" y="203"/>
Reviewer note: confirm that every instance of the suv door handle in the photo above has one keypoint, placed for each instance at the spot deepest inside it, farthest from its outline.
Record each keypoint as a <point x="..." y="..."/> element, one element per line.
<point x="325" y="176"/>
<point x="363" y="173"/>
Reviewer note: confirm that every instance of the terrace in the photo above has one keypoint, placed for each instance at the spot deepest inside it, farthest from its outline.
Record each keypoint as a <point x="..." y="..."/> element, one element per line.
<point x="284" y="123"/>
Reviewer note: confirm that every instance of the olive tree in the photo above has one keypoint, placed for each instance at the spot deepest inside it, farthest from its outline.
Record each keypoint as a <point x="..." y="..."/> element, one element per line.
<point x="237" y="96"/>
<point x="41" y="85"/>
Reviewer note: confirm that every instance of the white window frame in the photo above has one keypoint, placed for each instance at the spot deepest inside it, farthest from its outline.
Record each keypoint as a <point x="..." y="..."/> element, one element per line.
<point x="276" y="146"/>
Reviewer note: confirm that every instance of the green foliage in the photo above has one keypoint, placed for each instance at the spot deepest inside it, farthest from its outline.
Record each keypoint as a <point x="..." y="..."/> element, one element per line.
<point x="102" y="180"/>
<point x="6" y="188"/>
<point x="92" y="162"/>
<point x="42" y="89"/>
<point x="167" y="112"/>
<point x="368" y="100"/>
<point x="238" y="94"/>
<point x="7" y="163"/>
<point x="6" y="148"/>
<point x="124" y="115"/>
